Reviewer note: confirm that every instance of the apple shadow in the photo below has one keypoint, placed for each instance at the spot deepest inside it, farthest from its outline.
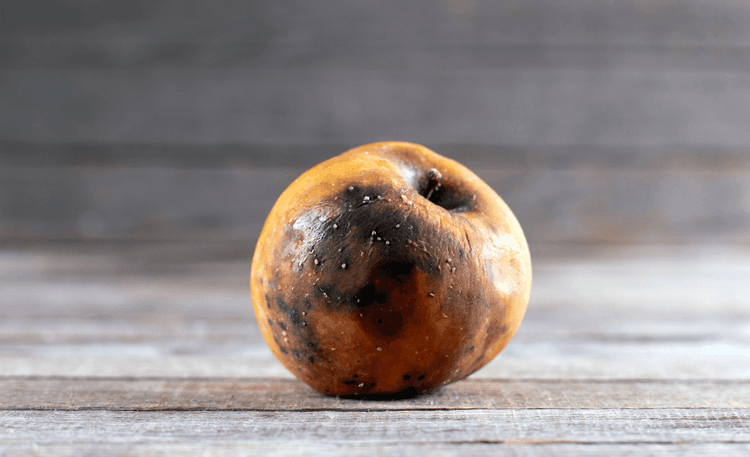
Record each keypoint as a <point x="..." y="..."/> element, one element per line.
<point x="406" y="394"/>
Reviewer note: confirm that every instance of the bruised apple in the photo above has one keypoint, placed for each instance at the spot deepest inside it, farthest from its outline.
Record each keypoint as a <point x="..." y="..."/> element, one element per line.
<point x="389" y="271"/>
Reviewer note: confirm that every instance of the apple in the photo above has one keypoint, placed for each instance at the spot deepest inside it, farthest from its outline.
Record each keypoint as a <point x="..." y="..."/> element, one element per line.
<point x="389" y="270"/>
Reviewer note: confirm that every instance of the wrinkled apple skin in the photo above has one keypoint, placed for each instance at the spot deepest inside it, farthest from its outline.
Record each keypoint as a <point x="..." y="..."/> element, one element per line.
<point x="362" y="286"/>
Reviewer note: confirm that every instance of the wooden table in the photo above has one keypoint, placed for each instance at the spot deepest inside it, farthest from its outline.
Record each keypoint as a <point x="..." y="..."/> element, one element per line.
<point x="611" y="128"/>
<point x="152" y="349"/>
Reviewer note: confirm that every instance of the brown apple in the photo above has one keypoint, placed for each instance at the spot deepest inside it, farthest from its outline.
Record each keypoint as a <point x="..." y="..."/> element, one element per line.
<point x="389" y="270"/>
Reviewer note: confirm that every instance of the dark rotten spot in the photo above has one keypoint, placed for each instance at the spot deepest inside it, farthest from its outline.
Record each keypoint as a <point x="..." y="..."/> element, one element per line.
<point x="369" y="295"/>
<point x="361" y="219"/>
<point x="398" y="271"/>
<point x="331" y="291"/>
<point x="295" y="317"/>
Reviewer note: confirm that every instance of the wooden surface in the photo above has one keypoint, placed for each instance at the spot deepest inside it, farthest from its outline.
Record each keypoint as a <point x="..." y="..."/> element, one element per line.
<point x="274" y="394"/>
<point x="542" y="72"/>
<point x="596" y="120"/>
<point x="152" y="349"/>
<point x="142" y="144"/>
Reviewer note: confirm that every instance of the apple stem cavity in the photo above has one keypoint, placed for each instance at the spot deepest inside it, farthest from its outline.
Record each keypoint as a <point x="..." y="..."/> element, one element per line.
<point x="434" y="182"/>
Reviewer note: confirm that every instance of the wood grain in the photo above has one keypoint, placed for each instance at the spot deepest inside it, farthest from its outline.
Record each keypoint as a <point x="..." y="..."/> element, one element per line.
<point x="510" y="107"/>
<point x="660" y="87"/>
<point x="141" y="33"/>
<point x="183" y="310"/>
<point x="273" y="394"/>
<point x="672" y="373"/>
<point x="433" y="428"/>
<point x="576" y="347"/>
<point x="330" y="448"/>
<point x="672" y="364"/>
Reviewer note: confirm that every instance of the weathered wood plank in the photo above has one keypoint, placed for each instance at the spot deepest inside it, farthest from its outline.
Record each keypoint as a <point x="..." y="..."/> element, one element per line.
<point x="541" y="426"/>
<point x="516" y="107"/>
<point x="138" y="364"/>
<point x="220" y="334"/>
<point x="72" y="157"/>
<point x="521" y="448"/>
<point x="673" y="364"/>
<point x="583" y="205"/>
<point x="126" y="28"/>
<point x="591" y="286"/>
<point x="445" y="57"/>
<point x="573" y="347"/>
<point x="273" y="394"/>
<point x="629" y="349"/>
<point x="140" y="309"/>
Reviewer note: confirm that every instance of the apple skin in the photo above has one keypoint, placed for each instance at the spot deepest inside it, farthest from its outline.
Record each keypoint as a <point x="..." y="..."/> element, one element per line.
<point x="363" y="287"/>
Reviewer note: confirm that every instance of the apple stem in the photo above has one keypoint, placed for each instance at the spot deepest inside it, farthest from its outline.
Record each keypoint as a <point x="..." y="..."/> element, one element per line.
<point x="433" y="183"/>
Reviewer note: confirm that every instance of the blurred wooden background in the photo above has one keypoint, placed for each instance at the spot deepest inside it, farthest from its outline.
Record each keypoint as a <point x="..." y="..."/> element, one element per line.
<point x="142" y="144"/>
<point x="597" y="121"/>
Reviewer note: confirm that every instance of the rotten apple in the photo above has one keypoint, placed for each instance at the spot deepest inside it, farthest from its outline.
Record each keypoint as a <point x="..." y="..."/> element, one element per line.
<point x="389" y="270"/>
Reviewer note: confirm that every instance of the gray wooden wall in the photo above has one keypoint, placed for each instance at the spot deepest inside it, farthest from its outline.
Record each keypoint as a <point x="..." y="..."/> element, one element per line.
<point x="596" y="120"/>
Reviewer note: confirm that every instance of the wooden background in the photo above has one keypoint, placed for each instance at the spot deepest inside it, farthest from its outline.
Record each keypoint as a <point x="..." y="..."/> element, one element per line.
<point x="142" y="144"/>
